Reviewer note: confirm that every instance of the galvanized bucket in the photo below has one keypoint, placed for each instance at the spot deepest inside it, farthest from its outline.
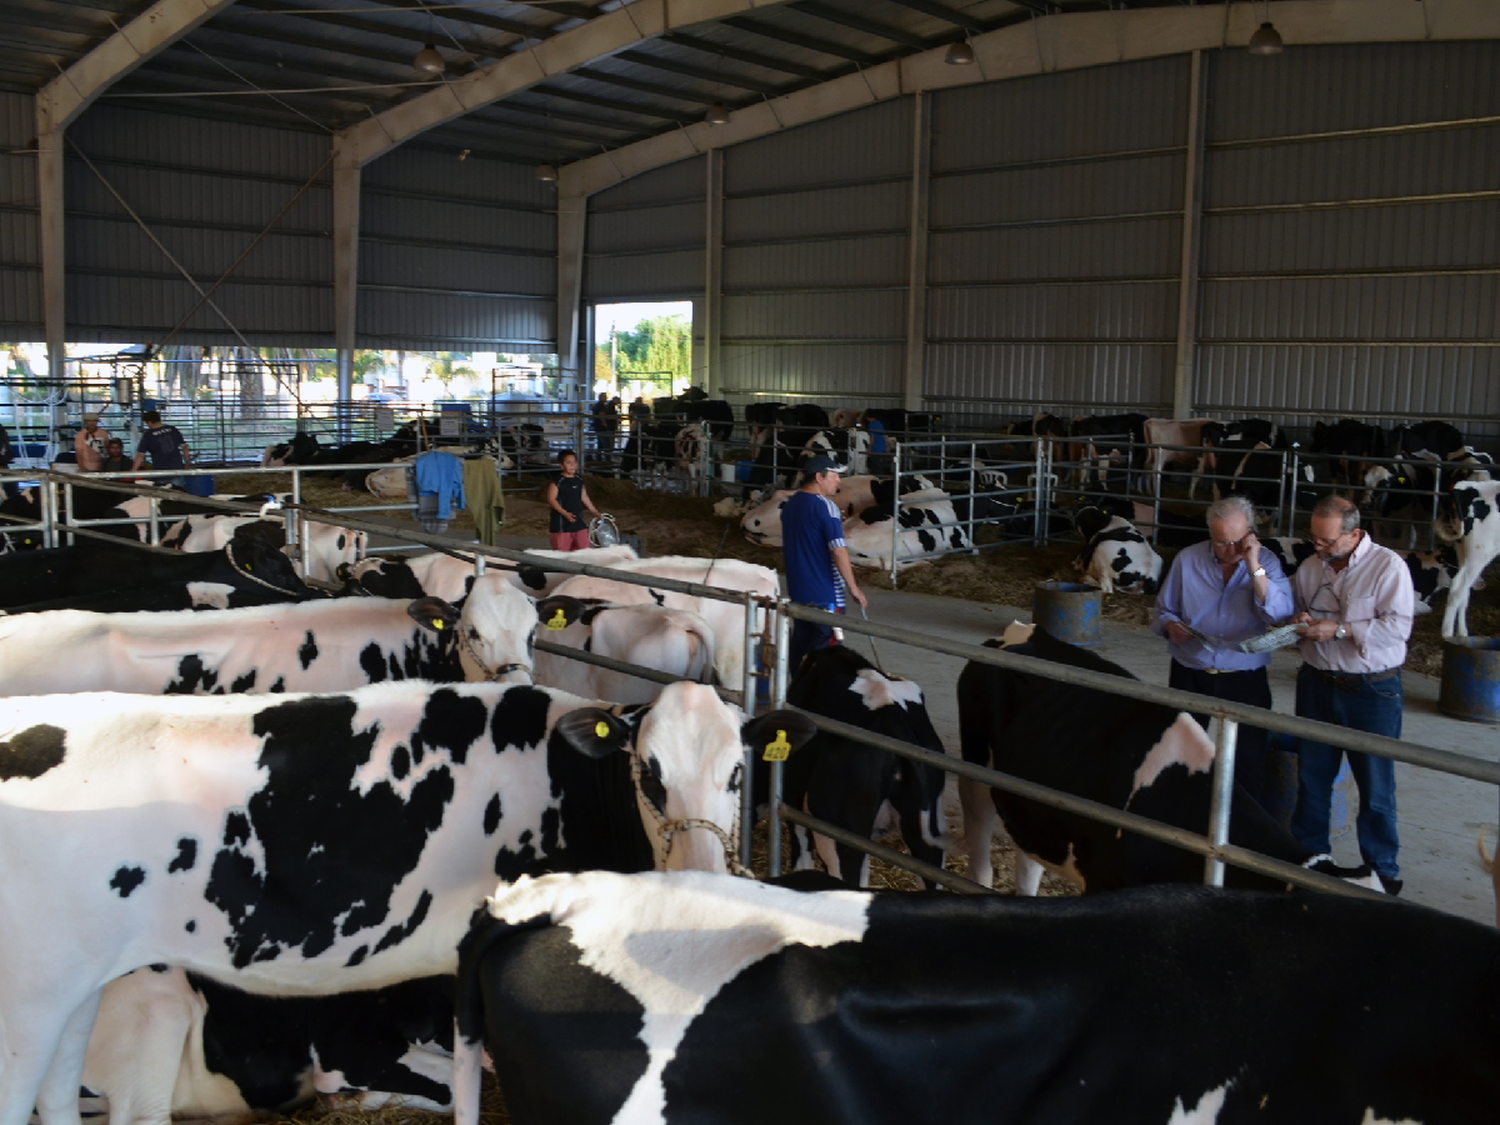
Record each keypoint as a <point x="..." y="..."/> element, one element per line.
<point x="1069" y="611"/>
<point x="1471" y="679"/>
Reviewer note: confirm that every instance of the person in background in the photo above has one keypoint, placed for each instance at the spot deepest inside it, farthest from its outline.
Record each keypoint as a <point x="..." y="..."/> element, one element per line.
<point x="880" y="460"/>
<point x="818" y="573"/>
<point x="10" y="488"/>
<point x="164" y="444"/>
<point x="115" y="460"/>
<point x="567" y="498"/>
<point x="606" y="420"/>
<point x="89" y="445"/>
<point x="1356" y="600"/>
<point x="1226" y="588"/>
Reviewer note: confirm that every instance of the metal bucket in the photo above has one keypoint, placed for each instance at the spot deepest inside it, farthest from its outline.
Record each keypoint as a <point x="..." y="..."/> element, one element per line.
<point x="1471" y="679"/>
<point x="1070" y="611"/>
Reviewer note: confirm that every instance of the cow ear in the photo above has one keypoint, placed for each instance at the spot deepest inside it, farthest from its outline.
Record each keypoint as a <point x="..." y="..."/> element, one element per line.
<point x="532" y="577"/>
<point x="558" y="611"/>
<point x="777" y="734"/>
<point x="433" y="614"/>
<point x="593" y="732"/>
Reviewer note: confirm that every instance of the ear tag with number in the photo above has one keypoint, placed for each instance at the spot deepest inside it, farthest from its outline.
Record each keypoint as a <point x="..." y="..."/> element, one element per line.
<point x="778" y="750"/>
<point x="601" y="729"/>
<point x="437" y="623"/>
<point x="559" y="621"/>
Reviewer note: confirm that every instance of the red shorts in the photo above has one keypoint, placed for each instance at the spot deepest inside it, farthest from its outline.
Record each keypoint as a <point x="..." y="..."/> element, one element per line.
<point x="569" y="540"/>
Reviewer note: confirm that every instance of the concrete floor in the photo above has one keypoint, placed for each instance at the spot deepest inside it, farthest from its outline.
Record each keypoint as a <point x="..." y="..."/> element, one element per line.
<point x="1441" y="817"/>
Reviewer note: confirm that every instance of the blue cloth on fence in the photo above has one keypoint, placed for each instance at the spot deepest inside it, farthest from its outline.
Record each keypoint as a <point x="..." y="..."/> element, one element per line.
<point x="442" y="475"/>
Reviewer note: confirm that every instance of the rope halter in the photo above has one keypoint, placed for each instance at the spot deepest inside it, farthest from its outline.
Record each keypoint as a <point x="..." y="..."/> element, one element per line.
<point x="245" y="570"/>
<point x="491" y="674"/>
<point x="666" y="829"/>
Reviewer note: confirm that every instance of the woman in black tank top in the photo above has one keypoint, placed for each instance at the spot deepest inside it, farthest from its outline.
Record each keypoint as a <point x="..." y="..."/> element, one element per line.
<point x="567" y="498"/>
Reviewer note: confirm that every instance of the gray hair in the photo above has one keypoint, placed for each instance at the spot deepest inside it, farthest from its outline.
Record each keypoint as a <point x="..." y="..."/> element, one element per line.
<point x="1228" y="508"/>
<point x="1345" y="509"/>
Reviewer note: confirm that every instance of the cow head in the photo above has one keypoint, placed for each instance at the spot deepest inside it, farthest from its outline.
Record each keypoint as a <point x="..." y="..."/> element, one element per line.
<point x="494" y="629"/>
<point x="689" y="751"/>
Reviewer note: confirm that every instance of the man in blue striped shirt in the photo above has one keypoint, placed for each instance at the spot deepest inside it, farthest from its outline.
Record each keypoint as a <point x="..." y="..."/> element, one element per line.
<point x="817" y="562"/>
<point x="1229" y="590"/>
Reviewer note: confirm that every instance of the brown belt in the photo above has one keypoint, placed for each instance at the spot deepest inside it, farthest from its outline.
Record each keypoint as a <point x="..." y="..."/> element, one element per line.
<point x="1350" y="677"/>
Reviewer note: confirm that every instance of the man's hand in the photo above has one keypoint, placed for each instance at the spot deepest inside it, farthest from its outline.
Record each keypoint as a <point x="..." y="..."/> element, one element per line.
<point x="1321" y="630"/>
<point x="1250" y="548"/>
<point x="1302" y="618"/>
<point x="1177" y="634"/>
<point x="859" y="595"/>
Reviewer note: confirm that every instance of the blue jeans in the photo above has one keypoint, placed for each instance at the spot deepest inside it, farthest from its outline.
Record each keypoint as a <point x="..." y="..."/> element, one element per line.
<point x="806" y="636"/>
<point x="1355" y="702"/>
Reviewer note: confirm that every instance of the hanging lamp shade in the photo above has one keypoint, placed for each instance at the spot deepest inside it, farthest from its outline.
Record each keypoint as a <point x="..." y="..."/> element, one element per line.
<point x="1265" y="41"/>
<point x="547" y="173"/>
<point x="959" y="54"/>
<point x="428" y="61"/>
<point x="717" y="115"/>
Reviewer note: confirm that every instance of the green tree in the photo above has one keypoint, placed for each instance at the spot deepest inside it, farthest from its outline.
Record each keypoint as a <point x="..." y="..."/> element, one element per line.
<point x="660" y="343"/>
<point x="447" y="366"/>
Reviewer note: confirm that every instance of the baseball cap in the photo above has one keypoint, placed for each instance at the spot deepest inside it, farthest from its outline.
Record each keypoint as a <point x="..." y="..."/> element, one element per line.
<point x="821" y="464"/>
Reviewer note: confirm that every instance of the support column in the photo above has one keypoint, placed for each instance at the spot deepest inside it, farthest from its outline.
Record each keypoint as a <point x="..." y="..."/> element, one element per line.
<point x="713" y="277"/>
<point x="54" y="260"/>
<point x="916" y="272"/>
<point x="572" y="229"/>
<point x="346" y="181"/>
<point x="1192" y="226"/>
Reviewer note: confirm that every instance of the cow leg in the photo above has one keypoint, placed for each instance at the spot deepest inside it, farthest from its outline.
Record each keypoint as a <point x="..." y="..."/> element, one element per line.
<point x="1028" y="874"/>
<point x="802" y="851"/>
<point x="57" y="1094"/>
<point x="1456" y="612"/>
<point x="150" y="1015"/>
<point x="468" y="1071"/>
<point x="980" y="818"/>
<point x="913" y="824"/>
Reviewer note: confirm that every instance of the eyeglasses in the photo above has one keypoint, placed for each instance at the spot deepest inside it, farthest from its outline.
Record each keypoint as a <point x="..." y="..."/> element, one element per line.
<point x="1326" y="587"/>
<point x="1228" y="542"/>
<point x="1318" y="541"/>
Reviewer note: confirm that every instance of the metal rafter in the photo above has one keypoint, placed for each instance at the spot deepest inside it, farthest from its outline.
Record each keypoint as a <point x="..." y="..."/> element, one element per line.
<point x="822" y="46"/>
<point x="476" y="47"/>
<point x="619" y="107"/>
<point x="871" y="27"/>
<point x="475" y="18"/>
<point x="278" y="71"/>
<point x="754" y="58"/>
<point x="516" y="105"/>
<point x="627" y="83"/>
<point x="943" y="12"/>
<point x="721" y="77"/>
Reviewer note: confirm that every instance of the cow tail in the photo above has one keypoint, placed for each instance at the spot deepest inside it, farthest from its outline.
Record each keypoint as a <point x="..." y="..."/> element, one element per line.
<point x="1448" y="526"/>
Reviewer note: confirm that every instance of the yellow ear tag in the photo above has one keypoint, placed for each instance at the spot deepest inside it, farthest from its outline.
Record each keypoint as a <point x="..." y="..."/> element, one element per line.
<point x="437" y="623"/>
<point x="247" y="566"/>
<point x="559" y="621"/>
<point x="779" y="750"/>
<point x="601" y="729"/>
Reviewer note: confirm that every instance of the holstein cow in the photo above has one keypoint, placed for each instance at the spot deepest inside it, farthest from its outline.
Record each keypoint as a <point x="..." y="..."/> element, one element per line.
<point x="449" y="577"/>
<point x="108" y="579"/>
<point x="316" y="844"/>
<point x="1126" y="753"/>
<point x="762" y="524"/>
<point x="1188" y="434"/>
<point x="328" y="545"/>
<point x="1470" y="520"/>
<point x="858" y="787"/>
<point x="667" y="640"/>
<point x="172" y="1044"/>
<point x="312" y="646"/>
<point x="727" y="619"/>
<point x="629" y="998"/>
<point x="929" y="527"/>
<point x="1115" y="556"/>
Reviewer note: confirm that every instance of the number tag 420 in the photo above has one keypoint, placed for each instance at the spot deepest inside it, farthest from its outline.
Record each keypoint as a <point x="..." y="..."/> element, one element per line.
<point x="779" y="749"/>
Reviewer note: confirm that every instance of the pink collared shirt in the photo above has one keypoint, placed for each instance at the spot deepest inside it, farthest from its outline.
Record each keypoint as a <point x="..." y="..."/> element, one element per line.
<point x="1372" y="596"/>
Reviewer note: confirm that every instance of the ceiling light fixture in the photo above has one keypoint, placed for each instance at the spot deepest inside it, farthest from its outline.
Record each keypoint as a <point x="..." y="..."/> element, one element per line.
<point x="717" y="115"/>
<point x="428" y="61"/>
<point x="547" y="173"/>
<point x="960" y="54"/>
<point x="1265" y="41"/>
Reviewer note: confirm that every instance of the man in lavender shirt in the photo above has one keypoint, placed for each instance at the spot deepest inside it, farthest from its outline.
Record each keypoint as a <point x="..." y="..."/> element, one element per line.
<point x="1356" y="600"/>
<point x="1226" y="589"/>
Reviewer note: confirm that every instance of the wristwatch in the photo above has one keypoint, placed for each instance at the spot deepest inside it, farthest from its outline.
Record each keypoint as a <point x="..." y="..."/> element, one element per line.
<point x="1341" y="632"/>
<point x="1258" y="572"/>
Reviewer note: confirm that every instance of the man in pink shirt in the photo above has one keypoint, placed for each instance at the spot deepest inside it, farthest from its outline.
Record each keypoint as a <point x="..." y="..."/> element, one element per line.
<point x="89" y="445"/>
<point x="1355" y="598"/>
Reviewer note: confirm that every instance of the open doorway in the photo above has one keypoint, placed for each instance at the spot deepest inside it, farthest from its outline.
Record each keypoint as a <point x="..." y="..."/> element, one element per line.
<point x="643" y="349"/>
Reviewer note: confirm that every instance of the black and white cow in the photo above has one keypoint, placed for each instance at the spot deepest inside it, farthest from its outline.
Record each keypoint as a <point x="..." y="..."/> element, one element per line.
<point x="1115" y="557"/>
<point x="309" y="845"/>
<point x="929" y="528"/>
<point x="449" y="576"/>
<point x="858" y="787"/>
<point x="762" y="523"/>
<point x="1126" y="753"/>
<point x="673" y="641"/>
<point x="1157" y="1006"/>
<point x="329" y="546"/>
<point x="1469" y="519"/>
<point x="311" y="646"/>
<point x="1290" y="553"/>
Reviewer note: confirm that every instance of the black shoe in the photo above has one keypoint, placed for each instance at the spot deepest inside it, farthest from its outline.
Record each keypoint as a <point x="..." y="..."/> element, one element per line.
<point x="1391" y="884"/>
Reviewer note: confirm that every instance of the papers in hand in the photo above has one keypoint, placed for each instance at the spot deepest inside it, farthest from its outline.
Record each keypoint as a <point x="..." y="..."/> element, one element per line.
<point x="1276" y="638"/>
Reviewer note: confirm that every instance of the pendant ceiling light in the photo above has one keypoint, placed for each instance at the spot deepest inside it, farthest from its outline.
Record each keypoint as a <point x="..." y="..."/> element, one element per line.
<point x="1266" y="41"/>
<point x="428" y="61"/>
<point x="717" y="115"/>
<point x="959" y="54"/>
<point x="547" y="173"/>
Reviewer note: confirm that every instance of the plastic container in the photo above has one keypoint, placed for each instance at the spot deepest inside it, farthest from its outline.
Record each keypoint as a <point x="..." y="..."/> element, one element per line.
<point x="1069" y="611"/>
<point x="1471" y="679"/>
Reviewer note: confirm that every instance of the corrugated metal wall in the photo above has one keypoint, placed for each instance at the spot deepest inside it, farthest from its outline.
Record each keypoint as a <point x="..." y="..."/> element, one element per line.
<point x="815" y="260"/>
<point x="458" y="254"/>
<point x="1351" y="235"/>
<point x="1055" y="245"/>
<point x="646" y="236"/>
<point x="20" y="253"/>
<point x="205" y="189"/>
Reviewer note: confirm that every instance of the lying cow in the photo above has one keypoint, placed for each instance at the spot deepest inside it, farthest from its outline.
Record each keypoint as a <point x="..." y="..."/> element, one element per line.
<point x="673" y="641"/>
<point x="449" y="576"/>
<point x="312" y="646"/>
<point x="858" y="787"/>
<point x="307" y="845"/>
<point x="1470" y="520"/>
<point x="929" y="528"/>
<point x="390" y="483"/>
<point x="1160" y="1006"/>
<point x="1141" y="757"/>
<point x="1115" y="557"/>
